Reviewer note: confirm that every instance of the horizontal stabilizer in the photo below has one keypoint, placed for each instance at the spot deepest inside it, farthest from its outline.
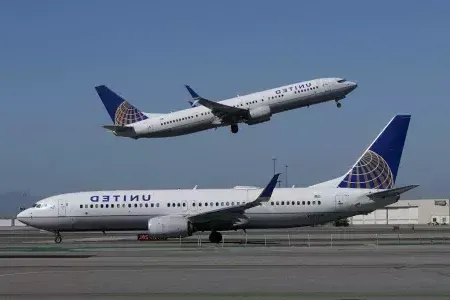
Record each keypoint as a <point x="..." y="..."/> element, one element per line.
<point x="119" y="128"/>
<point x="391" y="192"/>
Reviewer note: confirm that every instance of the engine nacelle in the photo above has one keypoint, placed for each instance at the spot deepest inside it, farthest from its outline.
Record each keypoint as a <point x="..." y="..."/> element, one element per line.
<point x="259" y="115"/>
<point x="170" y="227"/>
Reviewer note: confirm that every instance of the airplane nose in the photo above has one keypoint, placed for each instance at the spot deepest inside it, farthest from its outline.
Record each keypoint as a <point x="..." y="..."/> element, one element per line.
<point x="23" y="216"/>
<point x="352" y="85"/>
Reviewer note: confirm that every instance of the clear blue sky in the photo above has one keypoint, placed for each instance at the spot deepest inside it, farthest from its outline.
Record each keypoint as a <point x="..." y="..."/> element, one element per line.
<point x="53" y="53"/>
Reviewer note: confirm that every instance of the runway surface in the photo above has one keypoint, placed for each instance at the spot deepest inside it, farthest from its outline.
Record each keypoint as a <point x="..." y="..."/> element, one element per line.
<point x="117" y="266"/>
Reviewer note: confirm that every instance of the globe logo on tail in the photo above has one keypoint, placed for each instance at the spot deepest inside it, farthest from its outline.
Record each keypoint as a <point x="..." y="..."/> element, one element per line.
<point x="371" y="172"/>
<point x="127" y="114"/>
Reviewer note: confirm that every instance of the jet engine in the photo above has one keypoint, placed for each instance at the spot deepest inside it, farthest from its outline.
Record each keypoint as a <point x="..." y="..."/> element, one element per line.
<point x="170" y="227"/>
<point x="259" y="115"/>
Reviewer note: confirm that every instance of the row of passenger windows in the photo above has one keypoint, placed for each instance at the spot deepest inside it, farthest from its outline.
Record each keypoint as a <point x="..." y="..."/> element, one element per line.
<point x="296" y="203"/>
<point x="129" y="205"/>
<point x="119" y="205"/>
<point x="306" y="90"/>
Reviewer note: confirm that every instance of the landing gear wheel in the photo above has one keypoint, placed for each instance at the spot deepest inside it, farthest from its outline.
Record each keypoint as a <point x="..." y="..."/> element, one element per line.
<point x="215" y="237"/>
<point x="58" y="238"/>
<point x="338" y="104"/>
<point x="234" y="128"/>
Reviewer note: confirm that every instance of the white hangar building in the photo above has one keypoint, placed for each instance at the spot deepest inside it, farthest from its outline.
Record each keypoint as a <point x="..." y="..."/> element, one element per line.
<point x="423" y="211"/>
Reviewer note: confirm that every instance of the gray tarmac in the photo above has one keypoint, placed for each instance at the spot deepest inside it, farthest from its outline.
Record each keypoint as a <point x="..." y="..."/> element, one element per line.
<point x="268" y="266"/>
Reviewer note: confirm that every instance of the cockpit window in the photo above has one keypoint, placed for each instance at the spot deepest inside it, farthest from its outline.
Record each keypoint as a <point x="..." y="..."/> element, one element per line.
<point x="341" y="80"/>
<point x="38" y="206"/>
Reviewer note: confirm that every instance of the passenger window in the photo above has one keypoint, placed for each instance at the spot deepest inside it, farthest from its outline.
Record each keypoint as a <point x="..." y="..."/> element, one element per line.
<point x="211" y="204"/>
<point x="217" y="203"/>
<point x="146" y="204"/>
<point x="157" y="204"/>
<point x="168" y="204"/>
<point x="309" y="202"/>
<point x="206" y="203"/>
<point x="221" y="203"/>
<point x="129" y="205"/>
<point x="112" y="205"/>
<point x="228" y="203"/>
<point x="271" y="203"/>
<point x="298" y="202"/>
<point x="92" y="206"/>
<point x="81" y="206"/>
<point x="135" y="205"/>
<point x="101" y="205"/>
<point x="106" y="205"/>
<point x="178" y="204"/>
<point x="318" y="202"/>
<point x="282" y="202"/>
<point x="278" y="203"/>
<point x="96" y="205"/>
<point x="152" y="205"/>
<point x="184" y="204"/>
<point x="140" y="204"/>
<point x="303" y="202"/>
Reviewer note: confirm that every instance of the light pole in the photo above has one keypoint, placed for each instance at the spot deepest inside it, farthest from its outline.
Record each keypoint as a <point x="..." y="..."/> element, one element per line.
<point x="286" y="181"/>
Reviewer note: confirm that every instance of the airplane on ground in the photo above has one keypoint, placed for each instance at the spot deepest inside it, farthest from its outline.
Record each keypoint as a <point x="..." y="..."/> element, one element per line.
<point x="206" y="114"/>
<point x="367" y="186"/>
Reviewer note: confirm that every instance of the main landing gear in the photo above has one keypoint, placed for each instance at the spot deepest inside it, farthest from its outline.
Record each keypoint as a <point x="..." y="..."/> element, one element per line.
<point x="215" y="237"/>
<point x="58" y="238"/>
<point x="234" y="128"/>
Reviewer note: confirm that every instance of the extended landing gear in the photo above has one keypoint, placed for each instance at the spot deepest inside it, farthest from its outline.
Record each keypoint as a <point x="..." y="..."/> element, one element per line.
<point x="234" y="128"/>
<point x="338" y="104"/>
<point x="58" y="238"/>
<point x="215" y="237"/>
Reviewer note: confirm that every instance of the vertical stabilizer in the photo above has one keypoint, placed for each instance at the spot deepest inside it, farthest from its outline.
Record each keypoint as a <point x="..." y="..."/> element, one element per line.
<point x="377" y="168"/>
<point x="121" y="112"/>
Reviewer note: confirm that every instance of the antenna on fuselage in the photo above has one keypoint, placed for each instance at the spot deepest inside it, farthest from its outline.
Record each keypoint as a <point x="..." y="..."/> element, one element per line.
<point x="195" y="187"/>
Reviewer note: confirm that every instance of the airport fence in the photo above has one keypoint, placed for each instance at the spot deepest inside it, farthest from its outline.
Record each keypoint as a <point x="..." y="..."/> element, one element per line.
<point x="321" y="240"/>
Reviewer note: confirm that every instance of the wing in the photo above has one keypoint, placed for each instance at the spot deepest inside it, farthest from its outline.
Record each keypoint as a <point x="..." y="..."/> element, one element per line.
<point x="220" y="110"/>
<point x="235" y="214"/>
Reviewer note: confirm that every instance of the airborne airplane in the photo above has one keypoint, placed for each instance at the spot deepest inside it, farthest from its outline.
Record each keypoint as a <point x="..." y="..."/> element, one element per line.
<point x="206" y="114"/>
<point x="368" y="185"/>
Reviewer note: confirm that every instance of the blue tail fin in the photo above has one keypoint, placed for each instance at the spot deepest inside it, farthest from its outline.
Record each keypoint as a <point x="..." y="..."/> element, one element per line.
<point x="121" y="112"/>
<point x="377" y="168"/>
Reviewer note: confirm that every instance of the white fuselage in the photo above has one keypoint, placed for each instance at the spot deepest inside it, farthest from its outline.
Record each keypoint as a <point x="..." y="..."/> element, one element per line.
<point x="131" y="210"/>
<point x="277" y="100"/>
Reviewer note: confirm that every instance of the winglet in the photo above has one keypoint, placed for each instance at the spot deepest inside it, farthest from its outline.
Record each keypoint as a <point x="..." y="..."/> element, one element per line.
<point x="267" y="192"/>
<point x="192" y="92"/>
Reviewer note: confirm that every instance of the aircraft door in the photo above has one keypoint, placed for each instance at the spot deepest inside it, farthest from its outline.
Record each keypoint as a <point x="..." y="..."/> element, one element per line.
<point x="62" y="208"/>
<point x="339" y="202"/>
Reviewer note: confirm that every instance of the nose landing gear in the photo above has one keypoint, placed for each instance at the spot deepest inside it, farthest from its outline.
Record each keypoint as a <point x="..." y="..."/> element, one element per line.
<point x="234" y="128"/>
<point x="338" y="104"/>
